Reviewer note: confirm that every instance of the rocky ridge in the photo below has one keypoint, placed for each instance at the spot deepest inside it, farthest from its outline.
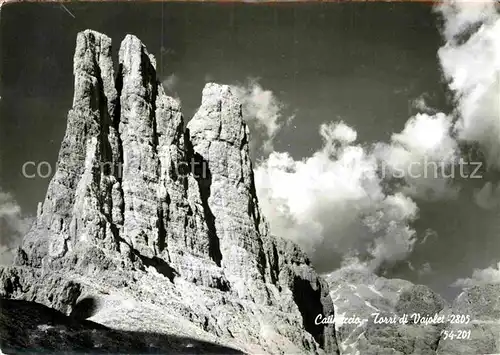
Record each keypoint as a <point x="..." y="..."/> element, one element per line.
<point x="158" y="224"/>
<point x="356" y="292"/>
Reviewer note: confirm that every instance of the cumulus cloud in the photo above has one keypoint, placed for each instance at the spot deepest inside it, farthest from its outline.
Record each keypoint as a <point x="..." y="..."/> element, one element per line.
<point x="421" y="105"/>
<point x="170" y="84"/>
<point x="262" y="111"/>
<point x="462" y="16"/>
<point x="490" y="275"/>
<point x="352" y="202"/>
<point x="13" y="226"/>
<point x="425" y="269"/>
<point x="424" y="156"/>
<point x="470" y="61"/>
<point x="348" y="200"/>
<point x="333" y="203"/>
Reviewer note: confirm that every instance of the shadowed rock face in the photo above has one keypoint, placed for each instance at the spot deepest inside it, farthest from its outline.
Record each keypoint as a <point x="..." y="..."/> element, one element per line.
<point x="28" y="326"/>
<point x="144" y="212"/>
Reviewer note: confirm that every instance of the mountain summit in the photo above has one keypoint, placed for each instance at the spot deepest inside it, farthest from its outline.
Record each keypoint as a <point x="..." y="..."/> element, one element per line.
<point x="151" y="227"/>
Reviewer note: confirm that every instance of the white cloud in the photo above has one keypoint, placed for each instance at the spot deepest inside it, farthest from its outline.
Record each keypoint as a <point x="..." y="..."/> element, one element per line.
<point x="461" y="15"/>
<point x="472" y="68"/>
<point x="170" y="83"/>
<point x="262" y="111"/>
<point x="13" y="226"/>
<point x="336" y="201"/>
<point x="342" y="199"/>
<point x="424" y="155"/>
<point x="425" y="269"/>
<point x="420" y="104"/>
<point x="333" y="202"/>
<point x="490" y="275"/>
<point x="470" y="61"/>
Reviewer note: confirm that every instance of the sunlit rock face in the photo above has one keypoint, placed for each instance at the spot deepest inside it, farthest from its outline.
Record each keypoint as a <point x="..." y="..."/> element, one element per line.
<point x="159" y="224"/>
<point x="377" y="315"/>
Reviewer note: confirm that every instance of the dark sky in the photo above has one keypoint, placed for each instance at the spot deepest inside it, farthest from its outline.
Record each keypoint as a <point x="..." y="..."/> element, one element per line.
<point x="363" y="63"/>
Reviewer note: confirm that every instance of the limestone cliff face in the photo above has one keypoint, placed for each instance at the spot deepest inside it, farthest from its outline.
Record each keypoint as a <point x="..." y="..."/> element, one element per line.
<point x="143" y="210"/>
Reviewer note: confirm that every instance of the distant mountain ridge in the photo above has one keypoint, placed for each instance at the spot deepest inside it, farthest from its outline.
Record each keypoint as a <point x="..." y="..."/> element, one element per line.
<point x="469" y="325"/>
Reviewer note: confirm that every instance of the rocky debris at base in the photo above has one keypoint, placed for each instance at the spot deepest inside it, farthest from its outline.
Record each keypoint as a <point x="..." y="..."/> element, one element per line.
<point x="30" y="327"/>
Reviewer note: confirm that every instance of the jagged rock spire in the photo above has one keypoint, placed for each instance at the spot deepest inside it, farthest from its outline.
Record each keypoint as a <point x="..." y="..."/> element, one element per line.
<point x="140" y="177"/>
<point x="220" y="138"/>
<point x="78" y="204"/>
<point x="135" y="190"/>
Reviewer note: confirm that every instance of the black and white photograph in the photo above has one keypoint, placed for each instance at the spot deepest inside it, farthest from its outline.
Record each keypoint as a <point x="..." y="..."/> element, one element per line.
<point x="250" y="177"/>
